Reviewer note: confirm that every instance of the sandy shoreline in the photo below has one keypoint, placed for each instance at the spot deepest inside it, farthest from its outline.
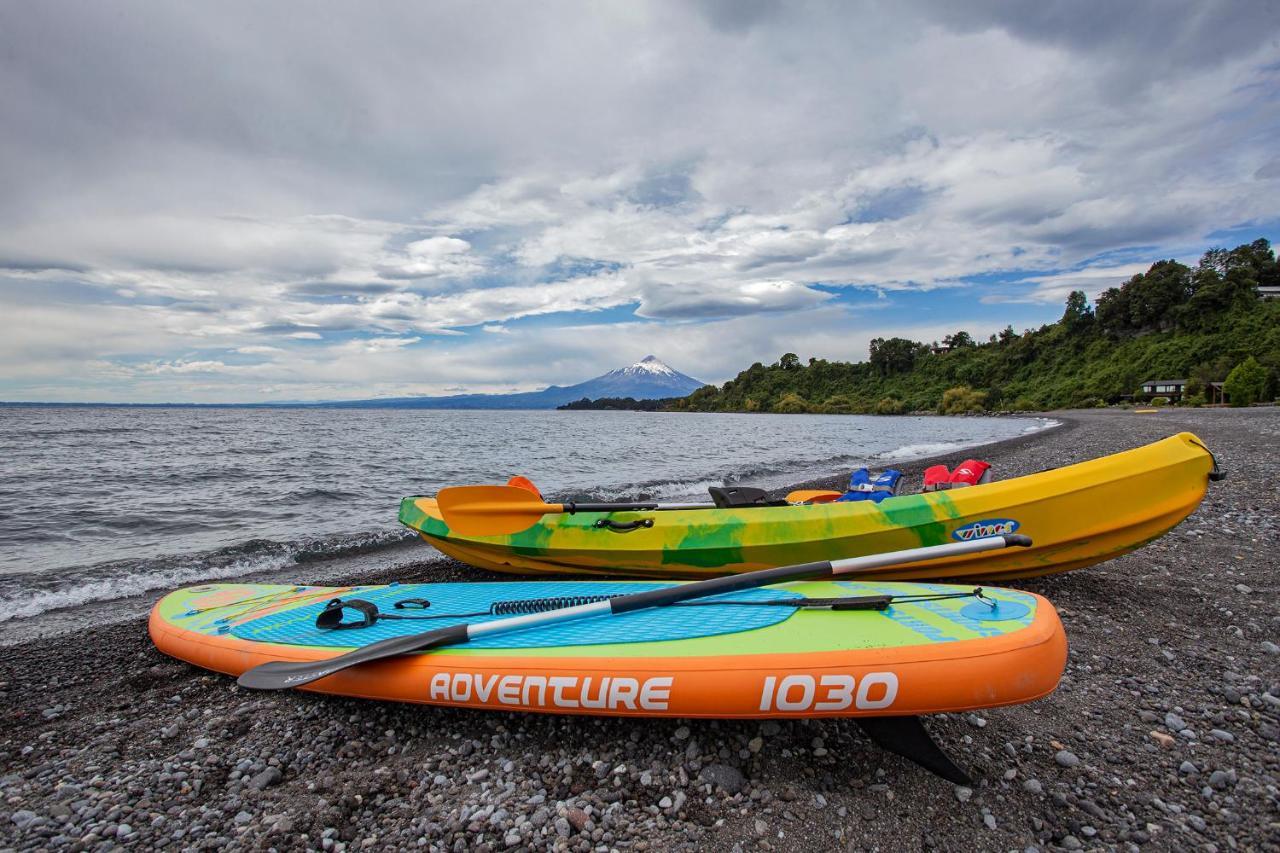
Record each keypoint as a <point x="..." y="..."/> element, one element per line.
<point x="107" y="741"/>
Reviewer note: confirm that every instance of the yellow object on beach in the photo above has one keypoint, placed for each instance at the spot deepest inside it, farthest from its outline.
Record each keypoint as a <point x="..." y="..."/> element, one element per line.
<point x="813" y="496"/>
<point x="1145" y="411"/>
<point x="1078" y="515"/>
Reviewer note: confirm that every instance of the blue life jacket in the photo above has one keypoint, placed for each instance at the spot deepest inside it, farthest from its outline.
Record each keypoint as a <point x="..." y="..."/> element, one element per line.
<point x="863" y="487"/>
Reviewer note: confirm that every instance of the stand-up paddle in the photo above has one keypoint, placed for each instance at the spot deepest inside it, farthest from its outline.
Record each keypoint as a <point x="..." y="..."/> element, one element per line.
<point x="278" y="675"/>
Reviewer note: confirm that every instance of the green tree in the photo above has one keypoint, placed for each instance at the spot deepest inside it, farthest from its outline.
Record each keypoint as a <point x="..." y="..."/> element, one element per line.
<point x="1078" y="316"/>
<point x="1113" y="310"/>
<point x="1158" y="295"/>
<point x="789" y="361"/>
<point x="1246" y="383"/>
<point x="893" y="355"/>
<point x="958" y="340"/>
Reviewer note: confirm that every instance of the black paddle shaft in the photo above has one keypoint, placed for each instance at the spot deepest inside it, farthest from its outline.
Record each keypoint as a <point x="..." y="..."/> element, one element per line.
<point x="572" y="506"/>
<point x="717" y="586"/>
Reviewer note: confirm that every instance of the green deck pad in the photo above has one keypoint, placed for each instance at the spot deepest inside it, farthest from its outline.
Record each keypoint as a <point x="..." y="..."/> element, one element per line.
<point x="297" y="627"/>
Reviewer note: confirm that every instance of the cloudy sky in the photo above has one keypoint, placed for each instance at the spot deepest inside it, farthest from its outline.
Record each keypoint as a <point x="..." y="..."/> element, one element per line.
<point x="286" y="201"/>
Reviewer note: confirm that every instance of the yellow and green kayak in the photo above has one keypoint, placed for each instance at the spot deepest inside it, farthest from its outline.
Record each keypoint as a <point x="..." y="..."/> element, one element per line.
<point x="1078" y="515"/>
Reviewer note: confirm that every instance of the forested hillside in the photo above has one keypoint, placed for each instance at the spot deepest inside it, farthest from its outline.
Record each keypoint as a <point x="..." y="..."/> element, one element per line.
<point x="1172" y="322"/>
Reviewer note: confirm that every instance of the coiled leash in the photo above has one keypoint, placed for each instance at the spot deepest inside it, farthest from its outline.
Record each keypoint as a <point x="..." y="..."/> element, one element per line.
<point x="340" y="613"/>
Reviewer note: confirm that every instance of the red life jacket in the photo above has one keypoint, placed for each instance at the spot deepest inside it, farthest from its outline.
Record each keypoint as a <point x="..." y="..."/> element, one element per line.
<point x="970" y="472"/>
<point x="936" y="478"/>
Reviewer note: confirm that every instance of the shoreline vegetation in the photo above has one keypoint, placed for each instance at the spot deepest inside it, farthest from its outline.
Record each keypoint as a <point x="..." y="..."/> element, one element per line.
<point x="621" y="404"/>
<point x="1201" y="325"/>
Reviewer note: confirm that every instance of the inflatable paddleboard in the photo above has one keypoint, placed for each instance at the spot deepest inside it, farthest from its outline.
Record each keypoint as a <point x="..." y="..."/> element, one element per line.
<point x="866" y="649"/>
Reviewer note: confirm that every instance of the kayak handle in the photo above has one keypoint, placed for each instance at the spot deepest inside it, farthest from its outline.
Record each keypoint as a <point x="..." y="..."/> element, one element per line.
<point x="623" y="526"/>
<point x="1215" y="474"/>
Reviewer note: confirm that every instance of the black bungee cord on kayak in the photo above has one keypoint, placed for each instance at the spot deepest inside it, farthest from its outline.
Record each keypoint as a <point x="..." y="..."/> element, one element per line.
<point x="336" y="613"/>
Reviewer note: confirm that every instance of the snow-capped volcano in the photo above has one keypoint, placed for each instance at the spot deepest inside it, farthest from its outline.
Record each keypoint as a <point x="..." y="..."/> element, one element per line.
<point x="650" y="365"/>
<point x="647" y="379"/>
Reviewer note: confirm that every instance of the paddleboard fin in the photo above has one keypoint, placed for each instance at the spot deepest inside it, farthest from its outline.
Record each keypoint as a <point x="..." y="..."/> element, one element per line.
<point x="906" y="736"/>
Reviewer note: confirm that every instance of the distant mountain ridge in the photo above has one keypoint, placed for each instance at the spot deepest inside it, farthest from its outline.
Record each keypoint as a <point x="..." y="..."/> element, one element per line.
<point x="647" y="379"/>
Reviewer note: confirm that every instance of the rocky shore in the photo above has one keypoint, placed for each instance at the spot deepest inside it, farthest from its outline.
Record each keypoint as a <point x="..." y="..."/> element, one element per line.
<point x="1164" y="733"/>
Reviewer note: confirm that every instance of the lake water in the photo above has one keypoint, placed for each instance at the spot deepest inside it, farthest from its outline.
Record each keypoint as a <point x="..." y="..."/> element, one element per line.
<point x="102" y="503"/>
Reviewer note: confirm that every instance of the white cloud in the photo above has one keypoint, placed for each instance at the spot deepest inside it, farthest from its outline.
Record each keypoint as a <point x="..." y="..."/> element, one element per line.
<point x="162" y="367"/>
<point x="382" y="344"/>
<point x="433" y="256"/>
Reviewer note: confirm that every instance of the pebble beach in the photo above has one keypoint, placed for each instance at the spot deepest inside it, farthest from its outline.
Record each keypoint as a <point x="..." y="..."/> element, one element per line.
<point x="1164" y="733"/>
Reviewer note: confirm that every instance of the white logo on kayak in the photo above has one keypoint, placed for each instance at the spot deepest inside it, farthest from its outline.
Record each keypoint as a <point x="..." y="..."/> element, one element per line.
<point x="833" y="692"/>
<point x="983" y="529"/>
<point x="555" y="691"/>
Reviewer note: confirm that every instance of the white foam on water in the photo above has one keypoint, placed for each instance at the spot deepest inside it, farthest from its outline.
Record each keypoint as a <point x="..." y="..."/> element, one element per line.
<point x="126" y="586"/>
<point x="919" y="451"/>
<point x="1041" y="424"/>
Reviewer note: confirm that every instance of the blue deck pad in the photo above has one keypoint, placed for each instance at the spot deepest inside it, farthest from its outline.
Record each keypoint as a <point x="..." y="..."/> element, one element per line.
<point x="297" y="627"/>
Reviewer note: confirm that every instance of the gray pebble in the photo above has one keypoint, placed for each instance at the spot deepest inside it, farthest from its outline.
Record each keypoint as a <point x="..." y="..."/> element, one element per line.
<point x="727" y="778"/>
<point x="1066" y="758"/>
<point x="265" y="779"/>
